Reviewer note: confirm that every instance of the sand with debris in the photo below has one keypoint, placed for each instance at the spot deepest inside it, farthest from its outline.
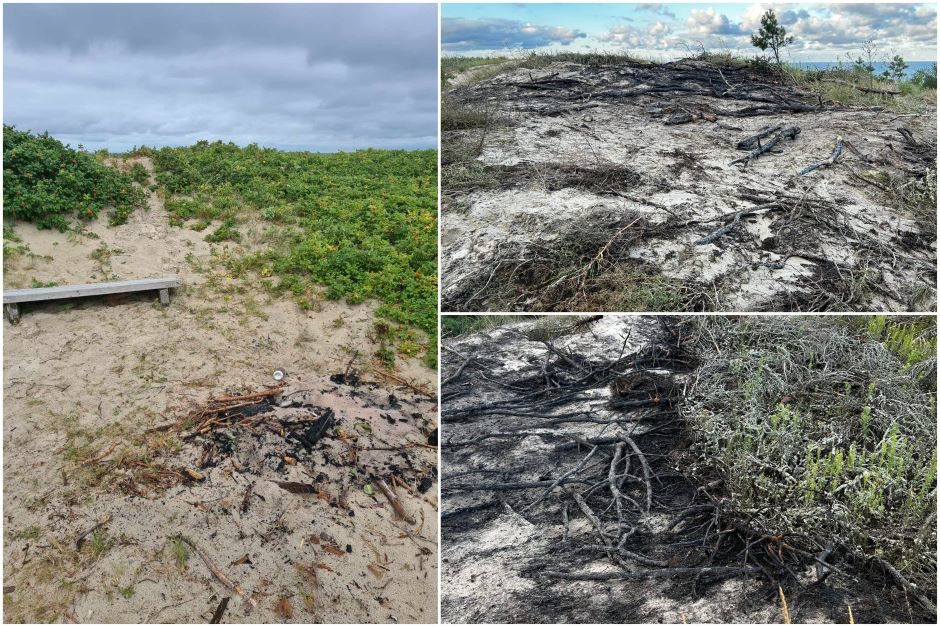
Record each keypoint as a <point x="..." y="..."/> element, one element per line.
<point x="571" y="150"/>
<point x="95" y="396"/>
<point x="512" y="422"/>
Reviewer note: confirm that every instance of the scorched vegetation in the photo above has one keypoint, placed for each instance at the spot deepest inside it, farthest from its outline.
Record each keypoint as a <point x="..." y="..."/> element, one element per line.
<point x="604" y="182"/>
<point x="726" y="469"/>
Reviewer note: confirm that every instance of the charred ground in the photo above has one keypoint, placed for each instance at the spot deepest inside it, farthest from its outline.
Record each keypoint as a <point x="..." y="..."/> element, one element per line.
<point x="612" y="186"/>
<point x="575" y="490"/>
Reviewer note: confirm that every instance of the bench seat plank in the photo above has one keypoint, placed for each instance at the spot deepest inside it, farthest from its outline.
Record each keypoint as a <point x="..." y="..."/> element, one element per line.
<point x="92" y="289"/>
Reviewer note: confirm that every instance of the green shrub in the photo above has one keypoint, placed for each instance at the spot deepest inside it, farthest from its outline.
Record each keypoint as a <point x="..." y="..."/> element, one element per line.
<point x="228" y="231"/>
<point x="361" y="224"/>
<point x="926" y="79"/>
<point x="824" y="429"/>
<point x="49" y="184"/>
<point x="139" y="174"/>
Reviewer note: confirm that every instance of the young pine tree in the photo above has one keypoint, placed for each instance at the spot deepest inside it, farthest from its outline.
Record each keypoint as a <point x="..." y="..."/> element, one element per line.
<point x="896" y="69"/>
<point x="771" y="35"/>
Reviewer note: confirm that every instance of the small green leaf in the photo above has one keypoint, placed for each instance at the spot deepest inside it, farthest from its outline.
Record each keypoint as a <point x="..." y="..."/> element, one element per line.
<point x="367" y="488"/>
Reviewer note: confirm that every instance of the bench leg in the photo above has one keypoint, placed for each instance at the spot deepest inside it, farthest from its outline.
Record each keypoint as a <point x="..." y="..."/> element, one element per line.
<point x="13" y="312"/>
<point x="164" y="297"/>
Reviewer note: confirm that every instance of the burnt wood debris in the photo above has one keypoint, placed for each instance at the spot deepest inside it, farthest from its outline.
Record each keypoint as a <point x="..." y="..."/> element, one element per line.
<point x="647" y="517"/>
<point x="811" y="212"/>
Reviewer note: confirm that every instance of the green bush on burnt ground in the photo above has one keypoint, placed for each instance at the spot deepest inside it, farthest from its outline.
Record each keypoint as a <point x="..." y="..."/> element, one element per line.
<point x="361" y="224"/>
<point x="451" y="67"/>
<point x="823" y="427"/>
<point x="50" y="184"/>
<point x="453" y="326"/>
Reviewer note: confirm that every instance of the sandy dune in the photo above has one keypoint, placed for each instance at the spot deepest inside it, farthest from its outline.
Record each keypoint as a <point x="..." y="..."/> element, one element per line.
<point x="86" y="383"/>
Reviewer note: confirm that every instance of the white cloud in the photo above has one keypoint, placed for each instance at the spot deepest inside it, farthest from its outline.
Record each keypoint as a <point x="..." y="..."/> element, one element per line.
<point x="711" y="22"/>
<point x="461" y="34"/>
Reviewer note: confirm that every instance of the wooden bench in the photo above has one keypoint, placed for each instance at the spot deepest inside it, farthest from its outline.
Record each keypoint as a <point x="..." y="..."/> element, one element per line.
<point x="12" y="298"/>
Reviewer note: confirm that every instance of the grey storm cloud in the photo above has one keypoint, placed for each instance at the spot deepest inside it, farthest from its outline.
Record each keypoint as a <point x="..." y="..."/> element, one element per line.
<point x="462" y="34"/>
<point x="299" y="76"/>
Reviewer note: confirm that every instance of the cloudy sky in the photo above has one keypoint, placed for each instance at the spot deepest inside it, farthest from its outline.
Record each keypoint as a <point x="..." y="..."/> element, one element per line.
<point x="823" y="31"/>
<point x="312" y="77"/>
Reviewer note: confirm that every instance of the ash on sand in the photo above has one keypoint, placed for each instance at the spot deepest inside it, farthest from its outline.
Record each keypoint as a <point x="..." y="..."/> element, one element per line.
<point x="546" y="170"/>
<point x="569" y="497"/>
<point x="279" y="489"/>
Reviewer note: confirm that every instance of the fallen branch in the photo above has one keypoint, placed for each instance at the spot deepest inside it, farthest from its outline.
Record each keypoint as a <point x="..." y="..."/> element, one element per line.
<point x="865" y="179"/>
<point x="908" y="587"/>
<point x="836" y="153"/>
<point x="218" y="573"/>
<point x="460" y="370"/>
<point x="396" y="504"/>
<point x="789" y="132"/>
<point x="552" y="112"/>
<point x="856" y="152"/>
<point x="97" y="458"/>
<point x="505" y="487"/>
<point x="689" y="511"/>
<point x="558" y="481"/>
<point x="104" y="520"/>
<point x="411" y="386"/>
<point x="711" y="237"/>
<point x="219" y="611"/>
<point x="748" y="142"/>
<point x="274" y="391"/>
<point x="653" y="573"/>
<point x="646" y="470"/>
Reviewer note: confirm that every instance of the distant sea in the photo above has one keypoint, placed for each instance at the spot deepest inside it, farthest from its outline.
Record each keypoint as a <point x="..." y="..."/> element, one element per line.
<point x="912" y="66"/>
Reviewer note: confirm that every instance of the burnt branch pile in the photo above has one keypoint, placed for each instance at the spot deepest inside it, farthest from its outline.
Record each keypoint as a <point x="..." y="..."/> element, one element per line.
<point x="628" y="461"/>
<point x="712" y="84"/>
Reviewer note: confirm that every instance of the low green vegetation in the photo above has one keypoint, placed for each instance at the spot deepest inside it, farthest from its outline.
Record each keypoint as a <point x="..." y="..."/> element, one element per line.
<point x="139" y="174"/>
<point x="913" y="340"/>
<point x="453" y="66"/>
<point x="180" y="553"/>
<point x="452" y="326"/>
<point x="823" y="429"/>
<point x="358" y="226"/>
<point x="47" y="183"/>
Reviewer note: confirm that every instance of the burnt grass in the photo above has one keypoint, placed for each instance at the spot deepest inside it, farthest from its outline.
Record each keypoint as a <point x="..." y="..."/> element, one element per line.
<point x="536" y="427"/>
<point x="600" y="180"/>
<point x="584" y="267"/>
<point x="843" y="237"/>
